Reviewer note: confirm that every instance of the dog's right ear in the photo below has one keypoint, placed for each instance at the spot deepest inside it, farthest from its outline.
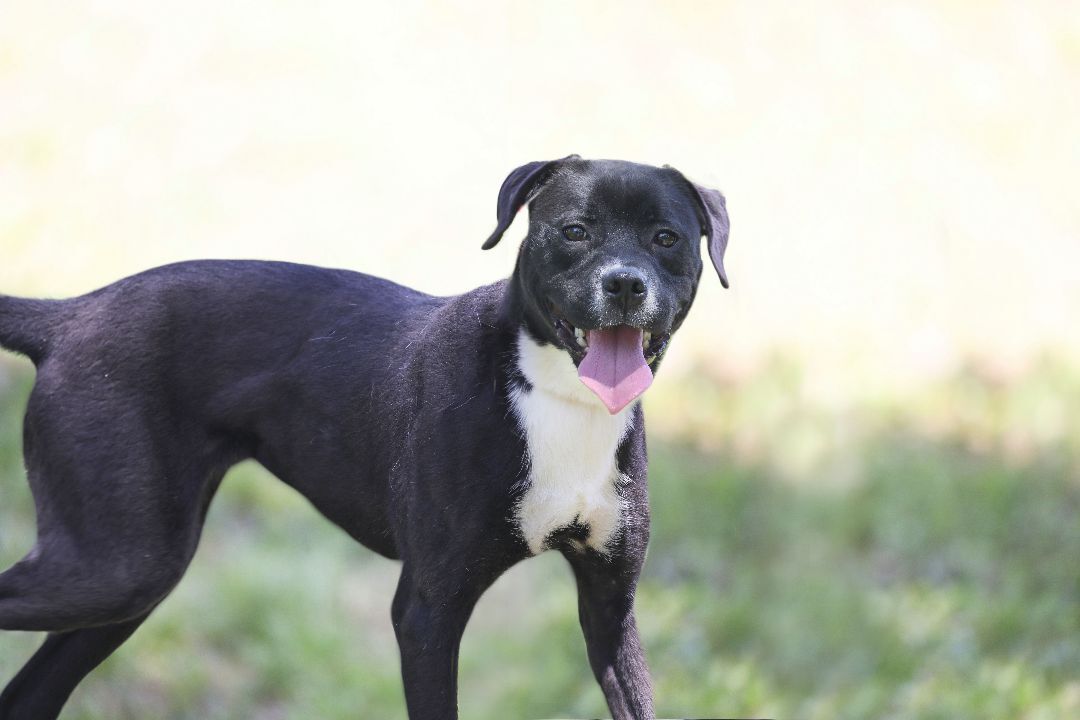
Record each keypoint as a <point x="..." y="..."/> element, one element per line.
<point x="517" y="189"/>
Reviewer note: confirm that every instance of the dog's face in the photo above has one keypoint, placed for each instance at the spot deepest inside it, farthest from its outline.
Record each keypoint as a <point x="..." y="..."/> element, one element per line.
<point x="612" y="258"/>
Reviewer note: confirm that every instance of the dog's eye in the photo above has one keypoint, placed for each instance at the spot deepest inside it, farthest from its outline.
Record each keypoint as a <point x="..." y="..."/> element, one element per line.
<point x="666" y="238"/>
<point x="575" y="233"/>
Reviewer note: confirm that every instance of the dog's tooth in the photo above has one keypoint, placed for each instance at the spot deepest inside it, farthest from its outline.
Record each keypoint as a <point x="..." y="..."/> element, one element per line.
<point x="646" y="339"/>
<point x="581" y="342"/>
<point x="579" y="333"/>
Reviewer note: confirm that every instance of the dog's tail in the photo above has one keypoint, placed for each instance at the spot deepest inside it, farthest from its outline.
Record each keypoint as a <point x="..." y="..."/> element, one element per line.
<point x="26" y="325"/>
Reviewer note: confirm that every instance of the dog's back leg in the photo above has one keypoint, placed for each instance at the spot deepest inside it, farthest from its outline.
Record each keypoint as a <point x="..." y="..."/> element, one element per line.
<point x="91" y="599"/>
<point x="62" y="585"/>
<point x="75" y="578"/>
<point x="120" y="502"/>
<point x="44" y="684"/>
<point x="120" y="491"/>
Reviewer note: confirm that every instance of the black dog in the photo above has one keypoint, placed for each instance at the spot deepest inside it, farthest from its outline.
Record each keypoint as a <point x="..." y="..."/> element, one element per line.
<point x="460" y="435"/>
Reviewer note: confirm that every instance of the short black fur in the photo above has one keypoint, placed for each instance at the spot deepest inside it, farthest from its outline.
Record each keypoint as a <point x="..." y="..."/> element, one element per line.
<point x="387" y="408"/>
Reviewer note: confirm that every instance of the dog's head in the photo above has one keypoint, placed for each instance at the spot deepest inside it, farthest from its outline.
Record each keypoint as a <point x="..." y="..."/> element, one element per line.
<point x="611" y="262"/>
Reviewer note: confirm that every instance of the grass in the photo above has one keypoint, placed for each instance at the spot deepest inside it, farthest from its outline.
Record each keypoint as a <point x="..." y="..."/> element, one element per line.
<point x="890" y="560"/>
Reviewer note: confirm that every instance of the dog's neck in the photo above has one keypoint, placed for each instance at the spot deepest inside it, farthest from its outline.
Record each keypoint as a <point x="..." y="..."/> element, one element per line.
<point x="543" y="365"/>
<point x="521" y="311"/>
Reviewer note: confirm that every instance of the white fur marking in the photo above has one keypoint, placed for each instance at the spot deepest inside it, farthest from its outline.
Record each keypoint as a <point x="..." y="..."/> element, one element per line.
<point x="572" y="441"/>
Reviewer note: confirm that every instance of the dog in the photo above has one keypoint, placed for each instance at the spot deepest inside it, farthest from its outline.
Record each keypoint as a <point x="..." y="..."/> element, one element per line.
<point x="458" y="435"/>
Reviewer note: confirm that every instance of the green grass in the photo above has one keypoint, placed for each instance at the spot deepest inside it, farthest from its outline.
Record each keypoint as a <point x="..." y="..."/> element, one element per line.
<point x="891" y="560"/>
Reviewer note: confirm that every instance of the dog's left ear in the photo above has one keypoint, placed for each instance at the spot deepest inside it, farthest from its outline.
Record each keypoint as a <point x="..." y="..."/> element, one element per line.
<point x="714" y="225"/>
<point x="718" y="225"/>
<point x="517" y="189"/>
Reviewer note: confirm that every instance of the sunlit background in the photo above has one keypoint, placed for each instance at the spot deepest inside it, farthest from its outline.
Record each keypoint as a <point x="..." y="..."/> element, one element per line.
<point x="866" y="476"/>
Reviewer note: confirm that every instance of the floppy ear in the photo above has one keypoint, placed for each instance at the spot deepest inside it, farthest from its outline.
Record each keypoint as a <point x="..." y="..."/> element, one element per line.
<point x="717" y="225"/>
<point x="714" y="223"/>
<point x="517" y="189"/>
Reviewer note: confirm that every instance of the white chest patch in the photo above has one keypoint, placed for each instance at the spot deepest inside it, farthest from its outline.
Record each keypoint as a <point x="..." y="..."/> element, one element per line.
<point x="571" y="440"/>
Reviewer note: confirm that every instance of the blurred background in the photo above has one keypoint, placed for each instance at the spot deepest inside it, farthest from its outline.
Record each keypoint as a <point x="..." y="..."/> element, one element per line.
<point x="865" y="454"/>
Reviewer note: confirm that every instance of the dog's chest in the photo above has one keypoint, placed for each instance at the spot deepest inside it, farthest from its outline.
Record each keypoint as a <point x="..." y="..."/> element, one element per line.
<point x="572" y="443"/>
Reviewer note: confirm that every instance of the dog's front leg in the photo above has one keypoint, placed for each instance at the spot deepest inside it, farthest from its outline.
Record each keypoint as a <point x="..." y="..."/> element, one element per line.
<point x="429" y="621"/>
<point x="606" y="609"/>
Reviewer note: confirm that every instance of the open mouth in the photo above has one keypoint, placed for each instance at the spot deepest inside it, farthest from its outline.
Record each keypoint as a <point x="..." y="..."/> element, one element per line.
<point x="575" y="340"/>
<point x="613" y="362"/>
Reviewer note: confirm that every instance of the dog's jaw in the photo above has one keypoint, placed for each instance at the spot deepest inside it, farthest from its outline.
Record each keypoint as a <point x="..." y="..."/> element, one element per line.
<point x="572" y="442"/>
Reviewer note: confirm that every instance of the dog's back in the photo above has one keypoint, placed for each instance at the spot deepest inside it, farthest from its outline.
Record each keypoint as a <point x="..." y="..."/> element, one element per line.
<point x="208" y="330"/>
<point x="209" y="308"/>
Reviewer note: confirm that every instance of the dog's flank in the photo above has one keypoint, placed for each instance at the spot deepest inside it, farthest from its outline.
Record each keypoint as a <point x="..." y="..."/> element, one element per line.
<point x="458" y="434"/>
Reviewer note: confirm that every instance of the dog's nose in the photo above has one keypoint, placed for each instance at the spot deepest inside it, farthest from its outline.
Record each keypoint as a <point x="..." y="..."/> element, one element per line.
<point x="625" y="287"/>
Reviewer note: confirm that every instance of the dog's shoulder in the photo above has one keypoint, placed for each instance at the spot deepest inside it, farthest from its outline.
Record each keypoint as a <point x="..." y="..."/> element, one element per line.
<point x="450" y="355"/>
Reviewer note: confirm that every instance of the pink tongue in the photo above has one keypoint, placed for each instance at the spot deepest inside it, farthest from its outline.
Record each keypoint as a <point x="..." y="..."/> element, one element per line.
<point x="614" y="367"/>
